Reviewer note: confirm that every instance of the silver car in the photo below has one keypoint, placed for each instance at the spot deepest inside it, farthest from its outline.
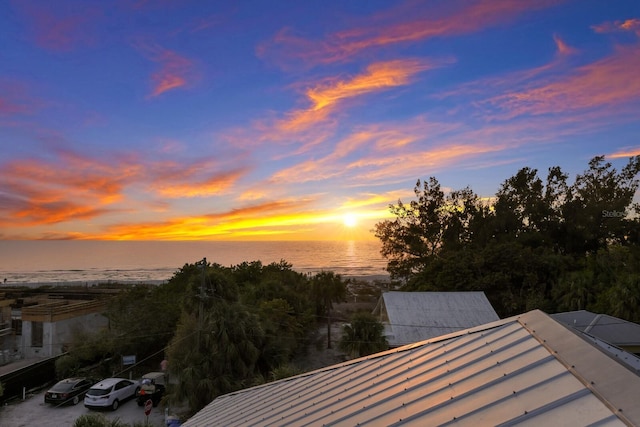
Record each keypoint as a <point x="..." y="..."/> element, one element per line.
<point x="110" y="393"/>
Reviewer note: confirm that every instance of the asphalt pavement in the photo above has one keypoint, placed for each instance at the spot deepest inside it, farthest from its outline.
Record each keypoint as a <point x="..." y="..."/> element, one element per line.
<point x="33" y="412"/>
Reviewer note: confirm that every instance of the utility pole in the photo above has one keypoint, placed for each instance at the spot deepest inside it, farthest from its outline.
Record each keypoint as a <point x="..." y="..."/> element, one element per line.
<point x="203" y="265"/>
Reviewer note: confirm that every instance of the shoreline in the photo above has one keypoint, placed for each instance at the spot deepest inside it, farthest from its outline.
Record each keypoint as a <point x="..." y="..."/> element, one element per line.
<point x="371" y="278"/>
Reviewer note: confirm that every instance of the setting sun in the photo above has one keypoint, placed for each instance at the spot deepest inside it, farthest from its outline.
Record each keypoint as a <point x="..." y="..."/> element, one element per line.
<point x="350" y="220"/>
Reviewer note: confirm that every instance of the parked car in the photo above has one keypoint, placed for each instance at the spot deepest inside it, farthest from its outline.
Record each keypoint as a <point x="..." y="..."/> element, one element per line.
<point x="68" y="391"/>
<point x="152" y="387"/>
<point x="110" y="393"/>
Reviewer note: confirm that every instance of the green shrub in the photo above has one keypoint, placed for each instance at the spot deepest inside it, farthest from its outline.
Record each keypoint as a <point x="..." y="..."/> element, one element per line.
<point x="97" y="420"/>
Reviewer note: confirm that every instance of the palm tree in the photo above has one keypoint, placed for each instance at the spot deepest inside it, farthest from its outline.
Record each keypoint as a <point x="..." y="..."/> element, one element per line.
<point x="363" y="336"/>
<point x="327" y="288"/>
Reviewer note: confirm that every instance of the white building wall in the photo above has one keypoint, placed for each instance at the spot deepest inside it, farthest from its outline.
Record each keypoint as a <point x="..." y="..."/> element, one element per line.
<point x="55" y="335"/>
<point x="27" y="350"/>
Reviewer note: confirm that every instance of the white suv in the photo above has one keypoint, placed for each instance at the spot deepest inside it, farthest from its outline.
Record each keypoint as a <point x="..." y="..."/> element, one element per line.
<point x="110" y="392"/>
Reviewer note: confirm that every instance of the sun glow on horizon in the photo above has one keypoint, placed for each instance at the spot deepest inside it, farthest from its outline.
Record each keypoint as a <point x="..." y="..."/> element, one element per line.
<point x="350" y="220"/>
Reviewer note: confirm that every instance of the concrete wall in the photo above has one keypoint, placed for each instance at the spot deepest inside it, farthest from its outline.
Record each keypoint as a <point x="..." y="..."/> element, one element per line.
<point x="55" y="335"/>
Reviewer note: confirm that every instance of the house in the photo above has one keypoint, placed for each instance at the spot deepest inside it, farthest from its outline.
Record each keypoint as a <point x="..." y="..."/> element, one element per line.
<point x="48" y="325"/>
<point x="410" y="317"/>
<point x="40" y="322"/>
<point x="6" y="330"/>
<point x="618" y="332"/>
<point x="527" y="369"/>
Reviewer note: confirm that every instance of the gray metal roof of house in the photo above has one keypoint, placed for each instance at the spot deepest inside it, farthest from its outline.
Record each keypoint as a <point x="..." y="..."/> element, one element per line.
<point x="611" y="329"/>
<point x="527" y="370"/>
<point x="418" y="316"/>
<point x="619" y="354"/>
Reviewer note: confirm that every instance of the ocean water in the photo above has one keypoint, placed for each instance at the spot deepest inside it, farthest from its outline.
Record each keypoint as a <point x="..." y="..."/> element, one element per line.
<point x="74" y="261"/>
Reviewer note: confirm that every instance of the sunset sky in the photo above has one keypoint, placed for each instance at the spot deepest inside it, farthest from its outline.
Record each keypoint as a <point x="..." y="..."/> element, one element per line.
<point x="296" y="120"/>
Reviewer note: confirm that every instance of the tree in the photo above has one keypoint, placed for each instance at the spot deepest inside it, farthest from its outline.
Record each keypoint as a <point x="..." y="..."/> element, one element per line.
<point x="327" y="288"/>
<point x="540" y="244"/>
<point x="427" y="227"/>
<point x="216" y="345"/>
<point x="283" y="331"/>
<point x="599" y="210"/>
<point x="363" y="335"/>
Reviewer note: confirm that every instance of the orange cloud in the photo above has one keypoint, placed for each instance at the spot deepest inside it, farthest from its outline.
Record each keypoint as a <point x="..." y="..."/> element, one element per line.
<point x="394" y="151"/>
<point x="217" y="184"/>
<point x="262" y="220"/>
<point x="175" y="70"/>
<point x="401" y="25"/>
<point x="380" y="75"/>
<point x="627" y="25"/>
<point x="563" y="48"/>
<point x="626" y="153"/>
<point x="173" y="73"/>
<point x="326" y="96"/>
<point x="390" y="153"/>
<point x="187" y="179"/>
<point x="67" y="187"/>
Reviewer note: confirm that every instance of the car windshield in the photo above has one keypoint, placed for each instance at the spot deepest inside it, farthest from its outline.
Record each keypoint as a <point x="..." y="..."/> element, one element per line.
<point x="61" y="387"/>
<point x="98" y="391"/>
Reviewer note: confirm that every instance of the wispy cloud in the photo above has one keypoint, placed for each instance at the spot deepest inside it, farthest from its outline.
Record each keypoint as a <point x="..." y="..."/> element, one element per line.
<point x="174" y="71"/>
<point x="59" y="28"/>
<point x="405" y="23"/>
<point x="66" y="186"/>
<point x="68" y="189"/>
<point x="392" y="151"/>
<point x="563" y="47"/>
<point x="17" y="99"/>
<point x="216" y="184"/>
<point x="632" y="25"/>
<point x="325" y="96"/>
<point x="625" y="153"/>
<point x="610" y="82"/>
<point x="479" y="89"/>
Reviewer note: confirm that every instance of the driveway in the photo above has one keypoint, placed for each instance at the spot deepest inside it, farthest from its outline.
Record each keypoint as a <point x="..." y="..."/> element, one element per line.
<point x="34" y="412"/>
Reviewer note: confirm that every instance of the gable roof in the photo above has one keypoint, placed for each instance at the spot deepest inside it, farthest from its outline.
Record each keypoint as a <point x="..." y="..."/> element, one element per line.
<point x="611" y="329"/>
<point x="524" y="369"/>
<point x="418" y="316"/>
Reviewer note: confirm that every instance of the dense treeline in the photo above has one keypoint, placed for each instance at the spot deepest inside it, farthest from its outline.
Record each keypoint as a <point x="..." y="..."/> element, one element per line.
<point x="236" y="326"/>
<point x="220" y="328"/>
<point x="538" y="243"/>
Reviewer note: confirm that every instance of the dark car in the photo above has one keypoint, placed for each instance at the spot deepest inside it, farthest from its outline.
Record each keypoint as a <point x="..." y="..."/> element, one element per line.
<point x="152" y="388"/>
<point x="68" y="391"/>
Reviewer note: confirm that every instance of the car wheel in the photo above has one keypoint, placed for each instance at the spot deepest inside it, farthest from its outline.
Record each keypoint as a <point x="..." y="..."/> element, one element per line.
<point x="115" y="404"/>
<point x="76" y="400"/>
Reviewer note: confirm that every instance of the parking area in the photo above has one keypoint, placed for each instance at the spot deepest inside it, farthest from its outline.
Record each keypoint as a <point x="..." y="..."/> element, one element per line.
<point x="34" y="412"/>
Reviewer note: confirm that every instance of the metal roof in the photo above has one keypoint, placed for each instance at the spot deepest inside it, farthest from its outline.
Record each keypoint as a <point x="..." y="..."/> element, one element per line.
<point x="416" y="316"/>
<point x="623" y="356"/>
<point x="611" y="329"/>
<point x="527" y="369"/>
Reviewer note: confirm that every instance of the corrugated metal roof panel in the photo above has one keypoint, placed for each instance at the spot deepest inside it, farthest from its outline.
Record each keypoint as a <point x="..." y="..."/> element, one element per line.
<point x="611" y="329"/>
<point x="418" y="316"/>
<point x="516" y="370"/>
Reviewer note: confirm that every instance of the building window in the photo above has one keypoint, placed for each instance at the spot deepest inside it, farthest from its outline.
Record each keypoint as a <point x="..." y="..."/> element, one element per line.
<point x="36" y="334"/>
<point x="16" y="325"/>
